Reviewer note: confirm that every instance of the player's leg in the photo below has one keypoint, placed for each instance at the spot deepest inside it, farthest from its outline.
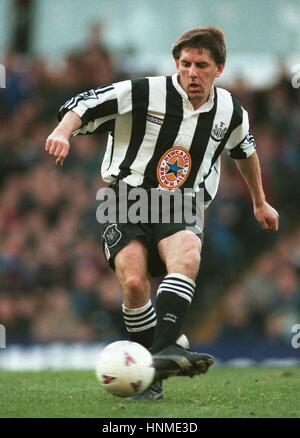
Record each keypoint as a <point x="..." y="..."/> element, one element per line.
<point x="181" y="254"/>
<point x="139" y="315"/>
<point x="124" y="246"/>
<point x="138" y="312"/>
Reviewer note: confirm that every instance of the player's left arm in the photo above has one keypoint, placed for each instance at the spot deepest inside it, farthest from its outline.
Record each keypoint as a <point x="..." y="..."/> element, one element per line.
<point x="265" y="214"/>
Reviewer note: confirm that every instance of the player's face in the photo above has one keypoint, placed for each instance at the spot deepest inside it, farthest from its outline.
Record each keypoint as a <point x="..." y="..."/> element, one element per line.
<point x="197" y="71"/>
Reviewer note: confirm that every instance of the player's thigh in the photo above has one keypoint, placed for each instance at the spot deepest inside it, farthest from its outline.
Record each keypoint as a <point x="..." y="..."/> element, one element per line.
<point x="180" y="248"/>
<point x="131" y="261"/>
<point x="117" y="236"/>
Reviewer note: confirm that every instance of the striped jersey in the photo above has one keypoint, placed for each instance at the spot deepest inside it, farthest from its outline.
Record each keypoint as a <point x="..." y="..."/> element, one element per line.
<point x="156" y="137"/>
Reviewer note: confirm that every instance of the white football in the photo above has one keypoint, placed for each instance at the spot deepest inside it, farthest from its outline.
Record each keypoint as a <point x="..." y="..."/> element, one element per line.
<point x="125" y="368"/>
<point x="183" y="342"/>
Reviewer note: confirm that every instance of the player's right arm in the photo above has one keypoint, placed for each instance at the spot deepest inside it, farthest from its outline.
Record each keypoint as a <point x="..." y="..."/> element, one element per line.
<point x="87" y="112"/>
<point x="57" y="143"/>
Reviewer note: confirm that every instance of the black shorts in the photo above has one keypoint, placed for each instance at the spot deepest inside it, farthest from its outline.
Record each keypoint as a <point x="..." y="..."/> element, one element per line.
<point x="117" y="235"/>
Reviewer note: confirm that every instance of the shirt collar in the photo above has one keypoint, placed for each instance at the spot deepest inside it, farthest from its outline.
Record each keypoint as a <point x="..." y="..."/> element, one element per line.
<point x="207" y="106"/>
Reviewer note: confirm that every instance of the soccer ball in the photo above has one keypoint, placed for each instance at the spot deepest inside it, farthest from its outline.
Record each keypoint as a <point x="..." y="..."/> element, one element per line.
<point x="183" y="342"/>
<point x="125" y="368"/>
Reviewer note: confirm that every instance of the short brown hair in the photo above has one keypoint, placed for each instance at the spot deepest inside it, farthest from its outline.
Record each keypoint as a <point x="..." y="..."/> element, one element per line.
<point x="210" y="38"/>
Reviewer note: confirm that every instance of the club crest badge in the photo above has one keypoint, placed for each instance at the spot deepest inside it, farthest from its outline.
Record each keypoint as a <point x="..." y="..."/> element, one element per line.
<point x="174" y="167"/>
<point x="112" y="235"/>
<point x="218" y="132"/>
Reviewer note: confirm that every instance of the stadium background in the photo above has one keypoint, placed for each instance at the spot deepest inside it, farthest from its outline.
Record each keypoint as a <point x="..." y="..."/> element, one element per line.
<point x="55" y="287"/>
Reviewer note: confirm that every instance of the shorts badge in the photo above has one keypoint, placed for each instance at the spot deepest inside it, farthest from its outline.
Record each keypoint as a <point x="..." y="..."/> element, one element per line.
<point x="112" y="235"/>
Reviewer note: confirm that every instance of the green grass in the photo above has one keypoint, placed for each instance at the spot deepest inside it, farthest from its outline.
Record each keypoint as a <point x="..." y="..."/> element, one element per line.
<point x="223" y="392"/>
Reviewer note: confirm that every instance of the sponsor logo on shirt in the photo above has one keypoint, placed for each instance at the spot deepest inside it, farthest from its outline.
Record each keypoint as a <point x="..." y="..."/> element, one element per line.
<point x="174" y="167"/>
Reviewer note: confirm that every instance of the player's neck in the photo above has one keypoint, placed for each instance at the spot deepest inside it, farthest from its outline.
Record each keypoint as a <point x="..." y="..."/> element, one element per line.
<point x="199" y="101"/>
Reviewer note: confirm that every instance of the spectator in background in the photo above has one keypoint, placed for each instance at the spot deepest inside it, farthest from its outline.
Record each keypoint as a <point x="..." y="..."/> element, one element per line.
<point x="45" y="87"/>
<point x="96" y="60"/>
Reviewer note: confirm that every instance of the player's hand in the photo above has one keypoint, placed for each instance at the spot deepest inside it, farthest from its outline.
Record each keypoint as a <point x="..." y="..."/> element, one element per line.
<point x="267" y="217"/>
<point x="58" y="145"/>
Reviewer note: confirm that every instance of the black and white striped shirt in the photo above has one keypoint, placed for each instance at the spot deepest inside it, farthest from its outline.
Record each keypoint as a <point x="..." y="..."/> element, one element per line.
<point x="157" y="139"/>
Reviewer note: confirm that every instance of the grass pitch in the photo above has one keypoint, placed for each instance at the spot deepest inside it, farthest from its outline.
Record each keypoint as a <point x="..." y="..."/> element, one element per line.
<point x="222" y="393"/>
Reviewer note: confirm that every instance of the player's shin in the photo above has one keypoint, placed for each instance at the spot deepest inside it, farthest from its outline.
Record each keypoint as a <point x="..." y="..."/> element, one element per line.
<point x="140" y="324"/>
<point x="174" y="296"/>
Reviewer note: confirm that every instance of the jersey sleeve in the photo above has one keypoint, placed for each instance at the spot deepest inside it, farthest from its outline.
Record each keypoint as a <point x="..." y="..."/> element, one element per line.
<point x="98" y="106"/>
<point x="241" y="143"/>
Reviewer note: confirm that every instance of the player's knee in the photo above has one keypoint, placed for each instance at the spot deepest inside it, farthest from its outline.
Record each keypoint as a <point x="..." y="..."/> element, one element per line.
<point x="134" y="285"/>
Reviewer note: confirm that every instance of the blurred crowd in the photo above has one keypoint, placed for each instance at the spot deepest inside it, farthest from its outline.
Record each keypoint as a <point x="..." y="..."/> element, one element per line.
<point x="54" y="281"/>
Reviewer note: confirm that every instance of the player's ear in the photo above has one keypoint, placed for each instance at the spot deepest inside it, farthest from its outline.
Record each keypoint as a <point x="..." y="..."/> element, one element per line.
<point x="220" y="69"/>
